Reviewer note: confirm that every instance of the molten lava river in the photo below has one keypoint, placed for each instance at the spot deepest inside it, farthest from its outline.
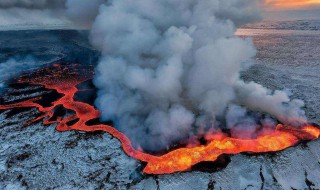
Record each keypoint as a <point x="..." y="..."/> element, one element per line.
<point x="65" y="79"/>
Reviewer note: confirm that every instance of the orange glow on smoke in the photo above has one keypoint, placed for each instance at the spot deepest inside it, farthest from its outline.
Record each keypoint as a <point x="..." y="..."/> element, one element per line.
<point x="64" y="80"/>
<point x="291" y="4"/>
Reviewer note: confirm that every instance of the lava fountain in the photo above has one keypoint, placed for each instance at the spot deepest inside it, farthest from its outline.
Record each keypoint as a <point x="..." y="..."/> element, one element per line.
<point x="64" y="80"/>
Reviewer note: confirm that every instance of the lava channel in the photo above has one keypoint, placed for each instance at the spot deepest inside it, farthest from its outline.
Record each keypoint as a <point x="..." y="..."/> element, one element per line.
<point x="64" y="80"/>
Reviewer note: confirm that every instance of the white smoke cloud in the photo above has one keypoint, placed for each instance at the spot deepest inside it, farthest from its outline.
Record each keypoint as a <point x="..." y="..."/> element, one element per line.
<point x="241" y="124"/>
<point x="170" y="68"/>
<point x="258" y="98"/>
<point x="83" y="11"/>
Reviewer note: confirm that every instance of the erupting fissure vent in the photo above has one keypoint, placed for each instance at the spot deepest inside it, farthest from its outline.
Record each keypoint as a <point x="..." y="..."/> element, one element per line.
<point x="64" y="79"/>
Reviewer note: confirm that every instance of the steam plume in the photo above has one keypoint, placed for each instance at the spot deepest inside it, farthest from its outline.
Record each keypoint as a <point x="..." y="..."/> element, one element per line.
<point x="14" y="66"/>
<point x="170" y="68"/>
<point x="83" y="11"/>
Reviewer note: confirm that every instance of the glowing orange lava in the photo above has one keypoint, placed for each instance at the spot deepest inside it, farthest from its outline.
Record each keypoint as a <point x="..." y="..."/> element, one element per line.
<point x="64" y="80"/>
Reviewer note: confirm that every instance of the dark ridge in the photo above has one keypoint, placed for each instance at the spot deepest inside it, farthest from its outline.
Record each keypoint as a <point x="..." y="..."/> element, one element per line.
<point x="210" y="167"/>
<point x="20" y="87"/>
<point x="266" y="154"/>
<point x="24" y="92"/>
<point x="23" y="182"/>
<point x="262" y="178"/>
<point x="21" y="124"/>
<point x="46" y="101"/>
<point x="98" y="122"/>
<point x="17" y="158"/>
<point x="140" y="168"/>
<point x="275" y="180"/>
<point x="8" y="102"/>
<point x="156" y="178"/>
<point x="90" y="135"/>
<point x="86" y="85"/>
<point x="304" y="144"/>
<point x="203" y="141"/>
<point x="211" y="184"/>
<point x="137" y="175"/>
<point x="71" y="144"/>
<point x="72" y="122"/>
<point x="315" y="125"/>
<point x="15" y="111"/>
<point x="59" y="111"/>
<point x="87" y="93"/>
<point x="309" y="183"/>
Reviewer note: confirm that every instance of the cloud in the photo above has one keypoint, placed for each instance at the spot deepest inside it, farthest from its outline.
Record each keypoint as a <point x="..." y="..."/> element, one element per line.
<point x="33" y="14"/>
<point x="171" y="68"/>
<point x="83" y="11"/>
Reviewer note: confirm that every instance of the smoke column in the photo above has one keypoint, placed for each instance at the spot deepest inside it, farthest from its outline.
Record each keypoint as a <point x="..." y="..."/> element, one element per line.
<point x="171" y="68"/>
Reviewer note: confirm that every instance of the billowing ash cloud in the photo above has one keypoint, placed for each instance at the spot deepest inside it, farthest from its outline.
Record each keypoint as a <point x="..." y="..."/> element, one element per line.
<point x="170" y="69"/>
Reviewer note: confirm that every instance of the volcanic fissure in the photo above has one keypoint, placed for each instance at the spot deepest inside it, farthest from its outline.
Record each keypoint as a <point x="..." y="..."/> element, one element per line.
<point x="64" y="79"/>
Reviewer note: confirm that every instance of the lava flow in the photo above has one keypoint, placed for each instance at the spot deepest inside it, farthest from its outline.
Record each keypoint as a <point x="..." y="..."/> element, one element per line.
<point x="64" y="80"/>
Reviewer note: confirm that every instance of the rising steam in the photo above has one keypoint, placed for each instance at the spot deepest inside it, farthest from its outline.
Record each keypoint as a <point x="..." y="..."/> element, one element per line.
<point x="13" y="67"/>
<point x="171" y="68"/>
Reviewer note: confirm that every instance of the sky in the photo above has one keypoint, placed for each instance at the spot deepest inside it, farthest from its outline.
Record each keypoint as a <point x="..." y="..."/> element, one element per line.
<point x="291" y="4"/>
<point x="291" y="9"/>
<point x="16" y="14"/>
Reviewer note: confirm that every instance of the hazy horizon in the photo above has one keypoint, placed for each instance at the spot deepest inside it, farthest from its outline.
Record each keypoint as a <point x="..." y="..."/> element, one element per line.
<point x="19" y="14"/>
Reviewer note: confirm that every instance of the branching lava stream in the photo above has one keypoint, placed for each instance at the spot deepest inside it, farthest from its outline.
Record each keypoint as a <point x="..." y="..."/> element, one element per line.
<point x="64" y="80"/>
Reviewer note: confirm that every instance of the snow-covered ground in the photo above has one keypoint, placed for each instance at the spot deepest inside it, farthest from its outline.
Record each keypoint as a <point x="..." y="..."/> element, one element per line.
<point x="38" y="157"/>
